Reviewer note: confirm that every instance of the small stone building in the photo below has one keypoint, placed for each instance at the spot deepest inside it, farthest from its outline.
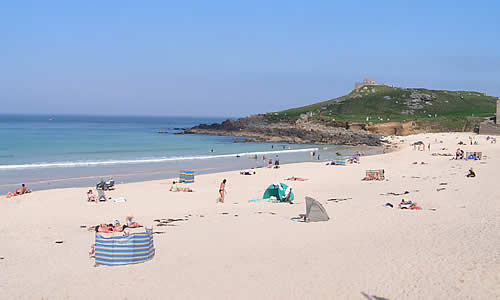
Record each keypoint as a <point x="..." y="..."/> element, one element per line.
<point x="369" y="81"/>
<point x="366" y="81"/>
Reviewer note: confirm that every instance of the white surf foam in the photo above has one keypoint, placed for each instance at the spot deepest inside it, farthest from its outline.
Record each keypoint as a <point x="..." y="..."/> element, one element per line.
<point x="140" y="161"/>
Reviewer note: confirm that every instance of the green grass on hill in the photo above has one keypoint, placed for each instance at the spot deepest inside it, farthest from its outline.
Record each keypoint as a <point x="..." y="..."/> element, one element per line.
<point x="382" y="103"/>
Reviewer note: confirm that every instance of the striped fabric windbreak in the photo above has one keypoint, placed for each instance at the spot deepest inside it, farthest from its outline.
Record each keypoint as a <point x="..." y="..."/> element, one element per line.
<point x="338" y="162"/>
<point x="124" y="250"/>
<point x="186" y="176"/>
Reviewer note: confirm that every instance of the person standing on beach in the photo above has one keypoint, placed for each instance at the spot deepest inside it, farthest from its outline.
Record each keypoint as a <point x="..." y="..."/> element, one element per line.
<point x="222" y="192"/>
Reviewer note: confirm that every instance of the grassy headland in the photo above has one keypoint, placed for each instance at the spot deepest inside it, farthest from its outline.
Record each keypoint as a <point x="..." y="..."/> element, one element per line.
<point x="381" y="103"/>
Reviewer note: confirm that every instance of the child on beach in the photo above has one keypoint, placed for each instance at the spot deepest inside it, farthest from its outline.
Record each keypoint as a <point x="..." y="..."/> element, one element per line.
<point x="174" y="187"/>
<point x="91" y="196"/>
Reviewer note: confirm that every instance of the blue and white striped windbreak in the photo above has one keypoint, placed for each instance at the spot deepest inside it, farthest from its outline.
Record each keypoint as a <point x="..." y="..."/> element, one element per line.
<point x="124" y="250"/>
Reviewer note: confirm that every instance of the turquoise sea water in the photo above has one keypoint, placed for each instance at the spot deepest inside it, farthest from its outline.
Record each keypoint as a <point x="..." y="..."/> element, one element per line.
<point x="62" y="151"/>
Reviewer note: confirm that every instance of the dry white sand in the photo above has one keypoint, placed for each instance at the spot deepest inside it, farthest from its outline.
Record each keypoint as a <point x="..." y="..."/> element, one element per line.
<point x="365" y="251"/>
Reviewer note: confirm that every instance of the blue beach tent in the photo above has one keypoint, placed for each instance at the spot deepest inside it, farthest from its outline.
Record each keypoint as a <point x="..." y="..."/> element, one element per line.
<point x="281" y="191"/>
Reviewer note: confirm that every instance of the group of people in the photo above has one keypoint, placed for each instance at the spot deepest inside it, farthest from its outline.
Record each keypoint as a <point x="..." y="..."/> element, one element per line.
<point x="130" y="222"/>
<point x="91" y="197"/>
<point x="373" y="176"/>
<point x="315" y="155"/>
<point x="270" y="162"/>
<point x="23" y="190"/>
<point x="421" y="146"/>
<point x="105" y="185"/>
<point x="276" y="162"/>
<point x="175" y="188"/>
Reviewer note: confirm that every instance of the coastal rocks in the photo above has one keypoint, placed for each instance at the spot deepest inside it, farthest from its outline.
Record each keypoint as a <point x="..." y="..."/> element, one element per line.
<point x="302" y="131"/>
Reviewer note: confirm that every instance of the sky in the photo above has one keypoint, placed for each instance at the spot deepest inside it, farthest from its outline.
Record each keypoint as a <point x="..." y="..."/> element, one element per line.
<point x="235" y="58"/>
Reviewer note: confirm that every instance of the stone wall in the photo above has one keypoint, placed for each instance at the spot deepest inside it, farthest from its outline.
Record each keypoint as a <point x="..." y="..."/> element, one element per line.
<point x="498" y="111"/>
<point x="489" y="128"/>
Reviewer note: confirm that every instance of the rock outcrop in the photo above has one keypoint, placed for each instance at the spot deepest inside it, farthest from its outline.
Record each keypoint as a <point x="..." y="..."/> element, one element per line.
<point x="301" y="131"/>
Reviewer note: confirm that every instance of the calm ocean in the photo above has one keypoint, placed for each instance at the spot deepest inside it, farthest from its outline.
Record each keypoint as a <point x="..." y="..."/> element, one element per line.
<point x="63" y="151"/>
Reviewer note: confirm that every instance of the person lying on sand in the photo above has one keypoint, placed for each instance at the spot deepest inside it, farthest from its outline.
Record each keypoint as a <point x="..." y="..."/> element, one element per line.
<point x="131" y="223"/>
<point x="104" y="228"/>
<point x="372" y="176"/>
<point x="293" y="178"/>
<point x="119" y="228"/>
<point x="21" y="191"/>
<point x="247" y="172"/>
<point x="300" y="218"/>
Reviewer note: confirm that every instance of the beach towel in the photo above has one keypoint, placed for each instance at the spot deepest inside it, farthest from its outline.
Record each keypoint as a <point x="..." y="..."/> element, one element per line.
<point x="119" y="200"/>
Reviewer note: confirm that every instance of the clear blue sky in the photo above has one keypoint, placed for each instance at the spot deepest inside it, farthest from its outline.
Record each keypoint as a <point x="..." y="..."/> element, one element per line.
<point x="226" y="58"/>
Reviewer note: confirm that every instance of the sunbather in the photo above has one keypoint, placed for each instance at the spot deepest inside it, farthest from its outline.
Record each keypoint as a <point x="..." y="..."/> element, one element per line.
<point x="300" y="218"/>
<point x="293" y="178"/>
<point x="21" y="191"/>
<point x="91" y="196"/>
<point x="471" y="173"/>
<point x="104" y="228"/>
<point x="130" y="222"/>
<point x="247" y="173"/>
<point x="119" y="228"/>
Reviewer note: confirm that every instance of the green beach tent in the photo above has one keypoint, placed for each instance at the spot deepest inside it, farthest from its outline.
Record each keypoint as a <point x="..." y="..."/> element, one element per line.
<point x="281" y="191"/>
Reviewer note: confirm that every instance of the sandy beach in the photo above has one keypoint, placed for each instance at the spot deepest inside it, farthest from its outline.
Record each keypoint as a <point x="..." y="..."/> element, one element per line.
<point x="239" y="250"/>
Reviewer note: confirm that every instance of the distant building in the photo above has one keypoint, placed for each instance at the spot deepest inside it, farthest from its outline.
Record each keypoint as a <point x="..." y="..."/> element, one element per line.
<point x="366" y="81"/>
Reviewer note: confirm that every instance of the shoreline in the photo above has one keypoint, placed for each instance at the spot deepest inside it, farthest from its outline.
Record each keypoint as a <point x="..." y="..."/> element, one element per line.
<point x="147" y="172"/>
<point x="446" y="250"/>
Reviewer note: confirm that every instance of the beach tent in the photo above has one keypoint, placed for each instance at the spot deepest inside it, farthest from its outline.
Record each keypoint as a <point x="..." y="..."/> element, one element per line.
<point x="315" y="212"/>
<point x="123" y="250"/>
<point x="186" y="176"/>
<point x="281" y="191"/>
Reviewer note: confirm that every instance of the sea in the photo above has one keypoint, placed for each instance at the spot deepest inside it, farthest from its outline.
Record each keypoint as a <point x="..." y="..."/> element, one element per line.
<point x="57" y="151"/>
